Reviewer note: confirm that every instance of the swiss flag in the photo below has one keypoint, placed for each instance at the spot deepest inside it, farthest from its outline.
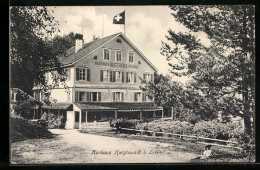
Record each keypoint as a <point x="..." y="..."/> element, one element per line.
<point x="119" y="19"/>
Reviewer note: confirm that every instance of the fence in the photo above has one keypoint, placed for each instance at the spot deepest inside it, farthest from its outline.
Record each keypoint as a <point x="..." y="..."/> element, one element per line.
<point x="96" y="126"/>
<point x="197" y="138"/>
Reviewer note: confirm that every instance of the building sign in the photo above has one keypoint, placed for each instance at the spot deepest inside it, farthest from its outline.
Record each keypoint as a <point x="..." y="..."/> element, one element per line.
<point x="117" y="65"/>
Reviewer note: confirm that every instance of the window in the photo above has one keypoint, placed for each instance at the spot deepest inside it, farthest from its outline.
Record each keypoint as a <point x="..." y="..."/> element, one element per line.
<point x="67" y="75"/>
<point x="118" y="76"/>
<point x="118" y="96"/>
<point x="144" y="97"/>
<point x="106" y="54"/>
<point x="37" y="95"/>
<point x="131" y="57"/>
<point x="104" y="75"/>
<point x="137" y="96"/>
<point x="130" y="77"/>
<point x="87" y="96"/>
<point x="148" y="77"/>
<point x="94" y="96"/>
<point x="118" y="55"/>
<point x="82" y="74"/>
<point x="82" y="96"/>
<point x="83" y="116"/>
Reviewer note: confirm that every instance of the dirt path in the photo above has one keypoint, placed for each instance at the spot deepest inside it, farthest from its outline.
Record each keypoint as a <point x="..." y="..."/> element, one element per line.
<point x="70" y="146"/>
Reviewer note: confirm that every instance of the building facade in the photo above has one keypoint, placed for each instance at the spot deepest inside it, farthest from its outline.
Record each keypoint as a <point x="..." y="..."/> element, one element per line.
<point x="102" y="83"/>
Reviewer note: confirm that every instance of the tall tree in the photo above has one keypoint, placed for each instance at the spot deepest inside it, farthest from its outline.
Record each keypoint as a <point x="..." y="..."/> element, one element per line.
<point x="224" y="69"/>
<point x="31" y="51"/>
<point x="62" y="43"/>
<point x="186" y="101"/>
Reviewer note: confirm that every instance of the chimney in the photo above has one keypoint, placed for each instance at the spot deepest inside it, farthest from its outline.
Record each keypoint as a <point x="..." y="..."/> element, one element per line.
<point x="79" y="42"/>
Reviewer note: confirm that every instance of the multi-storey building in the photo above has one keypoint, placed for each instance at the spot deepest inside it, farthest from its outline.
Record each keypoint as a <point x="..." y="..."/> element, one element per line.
<point x="102" y="83"/>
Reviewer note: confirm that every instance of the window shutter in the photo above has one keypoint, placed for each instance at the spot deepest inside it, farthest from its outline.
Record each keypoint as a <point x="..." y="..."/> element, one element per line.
<point x="122" y="77"/>
<point x="101" y="75"/>
<point x="88" y="74"/>
<point x="88" y="96"/>
<point x="111" y="76"/>
<point x="77" y="73"/>
<point x="114" y="96"/>
<point x="143" y="97"/>
<point x="68" y="74"/>
<point x="135" y="77"/>
<point x="99" y="96"/>
<point x="114" y="76"/>
<point x="135" y="96"/>
<point x="151" y="77"/>
<point x="122" y="96"/>
<point x="126" y="77"/>
<point x="76" y="96"/>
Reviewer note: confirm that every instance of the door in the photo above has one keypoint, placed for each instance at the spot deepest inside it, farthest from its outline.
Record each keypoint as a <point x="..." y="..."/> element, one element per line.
<point x="76" y="120"/>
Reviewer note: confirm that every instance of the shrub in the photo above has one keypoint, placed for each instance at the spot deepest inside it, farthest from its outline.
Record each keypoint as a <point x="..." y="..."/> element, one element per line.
<point x="123" y="123"/>
<point x="169" y="126"/>
<point x="215" y="129"/>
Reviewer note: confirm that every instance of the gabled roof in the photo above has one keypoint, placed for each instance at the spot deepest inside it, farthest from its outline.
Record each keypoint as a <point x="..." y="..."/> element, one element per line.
<point x="90" y="47"/>
<point x="15" y="90"/>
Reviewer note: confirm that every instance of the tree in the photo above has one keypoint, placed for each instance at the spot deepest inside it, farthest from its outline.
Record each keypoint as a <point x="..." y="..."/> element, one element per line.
<point x="223" y="70"/>
<point x="188" y="104"/>
<point x="31" y="51"/>
<point x="63" y="43"/>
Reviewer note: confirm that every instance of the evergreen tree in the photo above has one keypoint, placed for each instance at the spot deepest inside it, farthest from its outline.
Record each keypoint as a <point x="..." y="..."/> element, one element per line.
<point x="224" y="69"/>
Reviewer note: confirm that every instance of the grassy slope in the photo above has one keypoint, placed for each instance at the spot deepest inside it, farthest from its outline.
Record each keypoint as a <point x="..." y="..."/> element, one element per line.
<point x="21" y="129"/>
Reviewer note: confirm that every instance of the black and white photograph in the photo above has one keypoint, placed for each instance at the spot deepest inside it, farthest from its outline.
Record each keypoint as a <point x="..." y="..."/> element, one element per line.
<point x="132" y="84"/>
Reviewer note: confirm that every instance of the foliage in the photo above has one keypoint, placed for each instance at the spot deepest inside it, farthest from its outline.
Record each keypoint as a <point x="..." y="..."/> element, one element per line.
<point x="24" y="105"/>
<point x="32" y="50"/>
<point x="21" y="129"/>
<point x="63" y="43"/>
<point x="215" y="129"/>
<point x="170" y="126"/>
<point x="188" y="104"/>
<point x="223" y="68"/>
<point x="51" y="121"/>
<point x="123" y="123"/>
<point x="211" y="128"/>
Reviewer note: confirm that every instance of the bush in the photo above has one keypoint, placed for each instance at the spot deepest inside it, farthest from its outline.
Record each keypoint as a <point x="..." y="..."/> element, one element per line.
<point x="169" y="126"/>
<point x="211" y="129"/>
<point x="51" y="121"/>
<point x="123" y="123"/>
<point x="215" y="129"/>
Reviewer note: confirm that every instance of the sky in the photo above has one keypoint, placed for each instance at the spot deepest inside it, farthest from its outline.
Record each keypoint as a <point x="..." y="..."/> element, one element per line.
<point x="146" y="26"/>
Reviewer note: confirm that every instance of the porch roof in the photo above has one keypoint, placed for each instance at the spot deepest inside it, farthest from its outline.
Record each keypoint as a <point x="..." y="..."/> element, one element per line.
<point x="120" y="106"/>
<point x="62" y="106"/>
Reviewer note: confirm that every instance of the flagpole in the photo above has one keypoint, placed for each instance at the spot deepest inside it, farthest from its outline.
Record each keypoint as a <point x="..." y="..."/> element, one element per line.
<point x="103" y="27"/>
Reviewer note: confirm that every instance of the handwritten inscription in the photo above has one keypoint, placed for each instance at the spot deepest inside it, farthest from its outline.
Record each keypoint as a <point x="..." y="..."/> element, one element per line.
<point x="117" y="65"/>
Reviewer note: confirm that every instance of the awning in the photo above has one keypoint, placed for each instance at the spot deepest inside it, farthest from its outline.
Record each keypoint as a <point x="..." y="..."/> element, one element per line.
<point x="119" y="106"/>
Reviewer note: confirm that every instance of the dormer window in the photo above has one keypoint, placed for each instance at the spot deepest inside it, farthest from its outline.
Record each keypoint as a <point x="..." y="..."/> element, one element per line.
<point x="106" y="54"/>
